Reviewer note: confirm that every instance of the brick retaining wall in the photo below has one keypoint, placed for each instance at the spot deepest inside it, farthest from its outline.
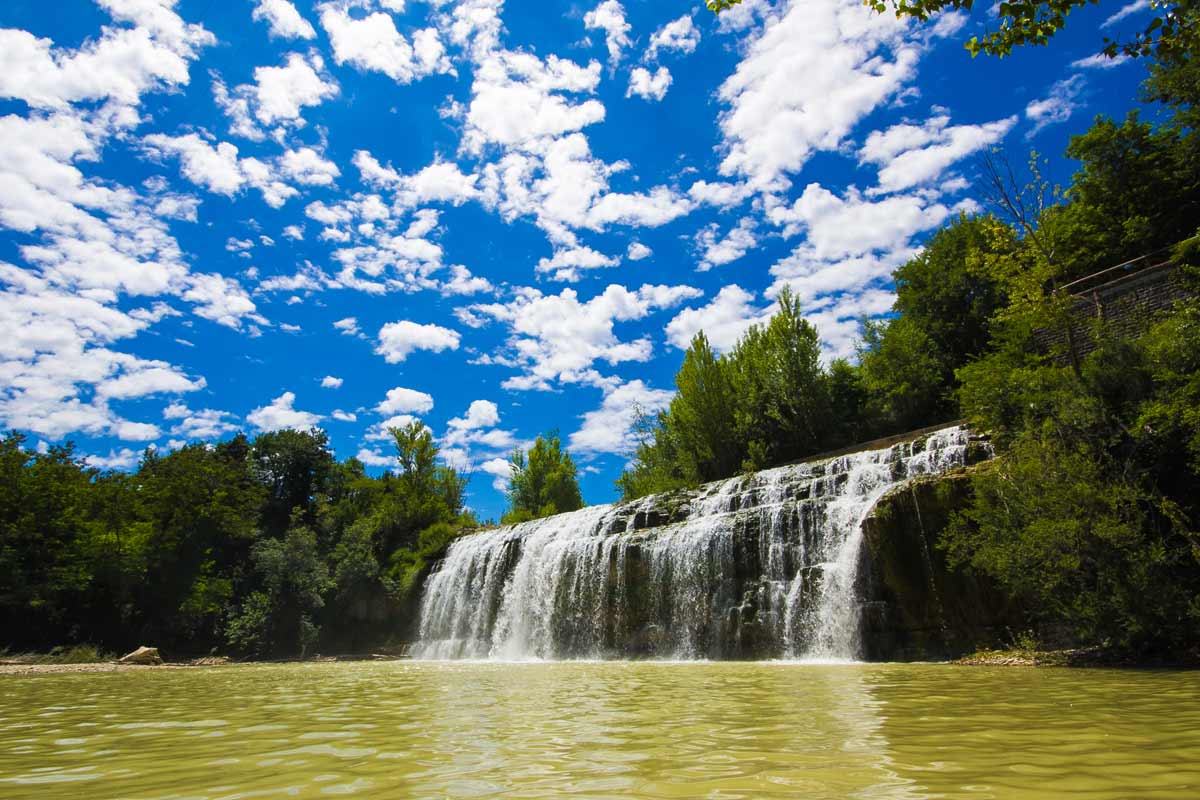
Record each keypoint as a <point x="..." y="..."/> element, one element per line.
<point x="1128" y="305"/>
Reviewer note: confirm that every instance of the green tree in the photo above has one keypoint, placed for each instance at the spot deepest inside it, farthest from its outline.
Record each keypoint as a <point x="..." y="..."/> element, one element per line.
<point x="702" y="416"/>
<point x="947" y="291"/>
<point x="293" y="466"/>
<point x="202" y="504"/>
<point x="1088" y="511"/>
<point x="1035" y="22"/>
<point x="281" y="616"/>
<point x="542" y="482"/>
<point x="903" y="375"/>
<point x="779" y="388"/>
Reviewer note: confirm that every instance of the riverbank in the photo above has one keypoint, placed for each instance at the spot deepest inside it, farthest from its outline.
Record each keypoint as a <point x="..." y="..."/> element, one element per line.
<point x="1074" y="657"/>
<point x="30" y="665"/>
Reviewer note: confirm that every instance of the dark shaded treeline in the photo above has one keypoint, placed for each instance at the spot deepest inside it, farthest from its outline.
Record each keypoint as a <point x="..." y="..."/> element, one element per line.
<point x="1091" y="513"/>
<point x="262" y="547"/>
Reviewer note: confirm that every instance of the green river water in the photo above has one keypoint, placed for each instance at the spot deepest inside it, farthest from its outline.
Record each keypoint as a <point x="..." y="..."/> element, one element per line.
<point x="623" y="729"/>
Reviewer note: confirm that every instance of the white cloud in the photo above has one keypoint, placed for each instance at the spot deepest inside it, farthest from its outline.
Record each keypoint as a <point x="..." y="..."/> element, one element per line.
<point x="330" y="382"/>
<point x="565" y="264"/>
<point x="120" y="65"/>
<point x="205" y="424"/>
<point x="716" y="251"/>
<point x="373" y="43"/>
<point x="397" y="340"/>
<point x="348" y="326"/>
<point x="373" y="458"/>
<point x="284" y="19"/>
<point x="723" y="320"/>
<point x="911" y="155"/>
<point x="344" y="416"/>
<point x="812" y="75"/>
<point x="680" y="35"/>
<point x="647" y="85"/>
<point x="405" y="401"/>
<point x="1101" y="61"/>
<point x="219" y="169"/>
<point x="480" y="414"/>
<point x="280" y="414"/>
<point x="1056" y="107"/>
<point x="609" y="17"/>
<point x="116" y="459"/>
<point x="719" y="193"/>
<point x="306" y="166"/>
<point x="1126" y="11"/>
<point x="608" y="429"/>
<point x="559" y="338"/>
<point x="518" y="100"/>
<point x="637" y="251"/>
<point x="281" y="93"/>
<point x="500" y="470"/>
<point x="835" y="227"/>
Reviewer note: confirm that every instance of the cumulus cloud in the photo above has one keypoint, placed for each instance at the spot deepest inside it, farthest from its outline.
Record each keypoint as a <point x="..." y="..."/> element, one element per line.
<point x="680" y="35"/>
<point x="805" y="82"/>
<point x="330" y="382"/>
<point x="281" y="93"/>
<point x="405" y="401"/>
<point x="480" y="414"/>
<point x="281" y="414"/>
<point x="716" y="250"/>
<point x="609" y="17"/>
<point x="116" y="459"/>
<point x="649" y="85"/>
<point x="723" y="320"/>
<point x="397" y="340"/>
<point x="565" y="264"/>
<point x="206" y="424"/>
<point x="608" y="429"/>
<point x="373" y="43"/>
<point x="911" y="155"/>
<point x="559" y="338"/>
<point x="284" y="20"/>
<point x="637" y="251"/>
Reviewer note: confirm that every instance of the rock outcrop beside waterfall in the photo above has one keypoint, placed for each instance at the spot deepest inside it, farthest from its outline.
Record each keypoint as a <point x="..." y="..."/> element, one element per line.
<point x="767" y="565"/>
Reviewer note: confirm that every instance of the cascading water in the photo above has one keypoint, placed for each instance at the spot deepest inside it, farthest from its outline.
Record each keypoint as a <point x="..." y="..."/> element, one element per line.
<point x="765" y="564"/>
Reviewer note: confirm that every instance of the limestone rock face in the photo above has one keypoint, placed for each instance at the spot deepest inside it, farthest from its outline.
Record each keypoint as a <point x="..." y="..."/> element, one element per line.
<point x="917" y="606"/>
<point x="143" y="655"/>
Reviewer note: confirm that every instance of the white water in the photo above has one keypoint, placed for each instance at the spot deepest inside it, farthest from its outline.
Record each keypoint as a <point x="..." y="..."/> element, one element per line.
<point x="766" y="563"/>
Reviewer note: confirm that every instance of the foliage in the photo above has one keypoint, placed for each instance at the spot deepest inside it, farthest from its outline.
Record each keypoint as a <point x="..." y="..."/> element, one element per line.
<point x="1090" y="511"/>
<point x="1035" y="22"/>
<point x="542" y="482"/>
<point x="189" y="551"/>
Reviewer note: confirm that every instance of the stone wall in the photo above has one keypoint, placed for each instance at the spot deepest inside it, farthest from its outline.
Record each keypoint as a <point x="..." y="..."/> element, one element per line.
<point x="1127" y="305"/>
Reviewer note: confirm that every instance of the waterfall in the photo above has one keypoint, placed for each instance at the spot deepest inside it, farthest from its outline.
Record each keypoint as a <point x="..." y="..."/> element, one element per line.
<point x="765" y="564"/>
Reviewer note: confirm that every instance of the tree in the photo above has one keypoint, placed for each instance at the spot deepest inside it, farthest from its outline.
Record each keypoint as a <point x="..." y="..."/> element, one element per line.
<point x="1035" y="22"/>
<point x="1088" y="512"/>
<point x="702" y="415"/>
<point x="947" y="292"/>
<point x="294" y="467"/>
<point x="542" y="482"/>
<point x="281" y="616"/>
<point x="902" y="374"/>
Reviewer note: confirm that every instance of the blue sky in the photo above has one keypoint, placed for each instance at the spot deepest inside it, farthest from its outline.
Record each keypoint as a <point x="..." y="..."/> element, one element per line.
<point x="222" y="215"/>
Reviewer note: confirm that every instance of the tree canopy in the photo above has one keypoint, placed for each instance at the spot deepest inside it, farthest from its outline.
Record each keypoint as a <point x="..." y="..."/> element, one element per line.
<point x="542" y="482"/>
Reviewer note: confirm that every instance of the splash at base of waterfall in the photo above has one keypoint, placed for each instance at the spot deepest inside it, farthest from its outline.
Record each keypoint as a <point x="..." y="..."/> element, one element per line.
<point x="764" y="565"/>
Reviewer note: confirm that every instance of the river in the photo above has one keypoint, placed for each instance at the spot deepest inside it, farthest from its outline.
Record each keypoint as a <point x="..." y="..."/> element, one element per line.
<point x="601" y="729"/>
